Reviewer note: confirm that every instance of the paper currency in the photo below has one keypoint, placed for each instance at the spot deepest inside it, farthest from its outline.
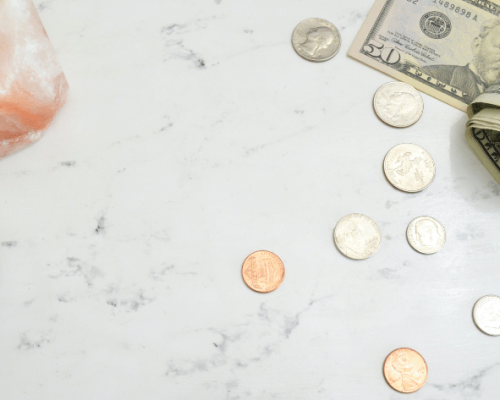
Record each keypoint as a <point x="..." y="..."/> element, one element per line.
<point x="483" y="129"/>
<point x="447" y="49"/>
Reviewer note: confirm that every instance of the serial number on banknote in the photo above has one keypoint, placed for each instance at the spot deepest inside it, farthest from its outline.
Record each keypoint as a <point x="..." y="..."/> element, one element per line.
<point x="459" y="10"/>
<point x="452" y="7"/>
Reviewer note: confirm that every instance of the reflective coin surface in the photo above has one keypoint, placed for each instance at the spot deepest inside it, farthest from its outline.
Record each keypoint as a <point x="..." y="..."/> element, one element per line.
<point x="357" y="236"/>
<point x="398" y="104"/>
<point x="263" y="271"/>
<point x="316" y="39"/>
<point x="409" y="167"/>
<point x="486" y="315"/>
<point x="405" y="370"/>
<point x="426" y="235"/>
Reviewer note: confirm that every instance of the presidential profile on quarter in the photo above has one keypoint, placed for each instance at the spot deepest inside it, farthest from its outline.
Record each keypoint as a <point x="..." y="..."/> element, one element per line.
<point x="316" y="39"/>
<point x="357" y="236"/>
<point x="409" y="168"/>
<point x="486" y="315"/>
<point x="426" y="235"/>
<point x="398" y="104"/>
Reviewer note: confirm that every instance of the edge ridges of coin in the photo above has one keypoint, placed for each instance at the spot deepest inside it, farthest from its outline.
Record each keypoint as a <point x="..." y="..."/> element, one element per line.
<point x="282" y="278"/>
<point x="404" y="190"/>
<point x="474" y="314"/>
<point x="425" y="363"/>
<point x="408" y="236"/>
<point x="358" y="215"/>
<point x="397" y="126"/>
<point x="322" y="20"/>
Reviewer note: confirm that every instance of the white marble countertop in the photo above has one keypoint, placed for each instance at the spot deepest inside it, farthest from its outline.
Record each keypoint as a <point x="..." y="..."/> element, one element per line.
<point x="193" y="136"/>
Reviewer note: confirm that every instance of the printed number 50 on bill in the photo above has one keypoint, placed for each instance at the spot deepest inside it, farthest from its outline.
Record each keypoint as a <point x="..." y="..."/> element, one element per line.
<point x="448" y="49"/>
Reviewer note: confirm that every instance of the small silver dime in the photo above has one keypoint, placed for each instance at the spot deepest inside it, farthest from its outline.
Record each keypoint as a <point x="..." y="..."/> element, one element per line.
<point x="426" y="235"/>
<point x="486" y="315"/>
<point x="398" y="104"/>
<point x="409" y="167"/>
<point x="316" y="39"/>
<point x="357" y="236"/>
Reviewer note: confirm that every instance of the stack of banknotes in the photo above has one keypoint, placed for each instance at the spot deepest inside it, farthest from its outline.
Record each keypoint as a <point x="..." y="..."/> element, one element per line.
<point x="449" y="49"/>
<point x="483" y="129"/>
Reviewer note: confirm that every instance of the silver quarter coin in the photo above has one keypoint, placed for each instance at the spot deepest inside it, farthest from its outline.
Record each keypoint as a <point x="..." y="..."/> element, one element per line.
<point x="398" y="104"/>
<point x="486" y="315"/>
<point x="426" y="235"/>
<point x="409" y="167"/>
<point x="357" y="236"/>
<point x="316" y="39"/>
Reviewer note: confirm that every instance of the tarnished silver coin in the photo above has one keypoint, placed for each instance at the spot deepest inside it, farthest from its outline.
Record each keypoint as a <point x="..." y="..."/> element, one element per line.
<point x="357" y="236"/>
<point x="316" y="39"/>
<point x="398" y="104"/>
<point x="486" y="315"/>
<point x="426" y="235"/>
<point x="409" y="167"/>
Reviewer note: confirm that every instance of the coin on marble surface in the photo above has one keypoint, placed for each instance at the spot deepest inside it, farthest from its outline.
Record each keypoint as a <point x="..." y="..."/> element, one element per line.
<point x="316" y="39"/>
<point x="357" y="236"/>
<point x="263" y="271"/>
<point x="486" y="315"/>
<point x="405" y="370"/>
<point x="398" y="104"/>
<point x="426" y="235"/>
<point x="409" y="167"/>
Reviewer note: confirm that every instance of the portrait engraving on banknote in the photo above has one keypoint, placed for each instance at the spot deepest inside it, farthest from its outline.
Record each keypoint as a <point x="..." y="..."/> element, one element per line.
<point x="448" y="49"/>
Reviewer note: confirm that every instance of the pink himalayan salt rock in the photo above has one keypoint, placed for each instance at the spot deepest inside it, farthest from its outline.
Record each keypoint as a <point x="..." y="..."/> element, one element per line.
<point x="32" y="85"/>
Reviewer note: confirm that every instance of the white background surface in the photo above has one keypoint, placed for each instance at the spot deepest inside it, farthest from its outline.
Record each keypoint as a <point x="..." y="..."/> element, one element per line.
<point x="193" y="136"/>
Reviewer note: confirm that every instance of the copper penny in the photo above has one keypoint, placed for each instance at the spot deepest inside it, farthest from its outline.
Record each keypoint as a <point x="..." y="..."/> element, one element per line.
<point x="405" y="370"/>
<point x="263" y="271"/>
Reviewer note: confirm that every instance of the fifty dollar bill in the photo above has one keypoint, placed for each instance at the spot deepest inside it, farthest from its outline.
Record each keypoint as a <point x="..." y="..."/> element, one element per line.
<point x="447" y="49"/>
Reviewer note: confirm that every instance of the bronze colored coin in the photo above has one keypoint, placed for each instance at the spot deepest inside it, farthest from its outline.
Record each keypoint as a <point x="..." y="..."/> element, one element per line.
<point x="405" y="370"/>
<point x="263" y="271"/>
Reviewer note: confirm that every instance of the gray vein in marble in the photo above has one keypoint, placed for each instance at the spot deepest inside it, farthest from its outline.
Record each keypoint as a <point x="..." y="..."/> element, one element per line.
<point x="467" y="385"/>
<point x="76" y="267"/>
<point x="42" y="6"/>
<point x="255" y="149"/>
<point x="216" y="360"/>
<point x="101" y="225"/>
<point x="26" y="343"/>
<point x="131" y="304"/>
<point x="174" y="43"/>
<point x="160" y="274"/>
<point x="179" y="51"/>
